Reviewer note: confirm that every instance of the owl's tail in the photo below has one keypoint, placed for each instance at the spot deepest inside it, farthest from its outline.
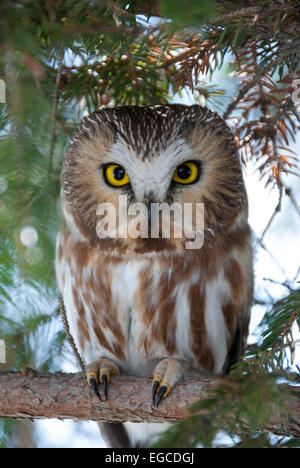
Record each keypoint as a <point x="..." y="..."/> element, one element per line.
<point x="131" y="435"/>
<point x="115" y="435"/>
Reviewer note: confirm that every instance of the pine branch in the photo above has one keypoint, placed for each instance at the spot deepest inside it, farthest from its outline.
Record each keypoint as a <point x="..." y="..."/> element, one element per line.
<point x="249" y="85"/>
<point x="32" y="395"/>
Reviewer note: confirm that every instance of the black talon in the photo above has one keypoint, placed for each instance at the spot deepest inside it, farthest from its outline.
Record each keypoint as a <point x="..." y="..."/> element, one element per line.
<point x="104" y="382"/>
<point x="154" y="390"/>
<point x="93" y="384"/>
<point x="160" y="395"/>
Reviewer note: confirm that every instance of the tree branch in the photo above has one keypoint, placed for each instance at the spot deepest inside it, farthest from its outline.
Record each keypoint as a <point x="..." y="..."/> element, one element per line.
<point x="36" y="395"/>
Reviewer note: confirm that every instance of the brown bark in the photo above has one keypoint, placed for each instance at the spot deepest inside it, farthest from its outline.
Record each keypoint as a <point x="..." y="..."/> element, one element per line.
<point x="36" y="395"/>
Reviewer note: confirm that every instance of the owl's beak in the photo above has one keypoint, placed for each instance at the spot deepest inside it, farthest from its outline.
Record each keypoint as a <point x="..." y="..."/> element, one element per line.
<point x="148" y="204"/>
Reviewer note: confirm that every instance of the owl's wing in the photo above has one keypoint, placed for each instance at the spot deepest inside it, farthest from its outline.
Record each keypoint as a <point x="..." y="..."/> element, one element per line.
<point x="238" y="344"/>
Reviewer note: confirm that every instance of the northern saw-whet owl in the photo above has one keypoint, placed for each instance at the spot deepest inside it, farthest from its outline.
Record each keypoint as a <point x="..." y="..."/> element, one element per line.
<point x="149" y="306"/>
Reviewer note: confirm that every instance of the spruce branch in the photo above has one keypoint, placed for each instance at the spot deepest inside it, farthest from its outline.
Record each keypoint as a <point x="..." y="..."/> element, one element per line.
<point x="260" y="72"/>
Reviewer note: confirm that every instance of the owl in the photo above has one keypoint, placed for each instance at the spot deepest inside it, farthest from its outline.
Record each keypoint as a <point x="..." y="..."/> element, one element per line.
<point x="148" y="305"/>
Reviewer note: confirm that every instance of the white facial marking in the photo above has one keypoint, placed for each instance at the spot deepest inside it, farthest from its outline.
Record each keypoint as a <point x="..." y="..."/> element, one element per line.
<point x="151" y="175"/>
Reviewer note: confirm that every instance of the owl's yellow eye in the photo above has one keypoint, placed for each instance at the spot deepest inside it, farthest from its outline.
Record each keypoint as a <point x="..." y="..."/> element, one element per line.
<point x="186" y="173"/>
<point x="115" y="175"/>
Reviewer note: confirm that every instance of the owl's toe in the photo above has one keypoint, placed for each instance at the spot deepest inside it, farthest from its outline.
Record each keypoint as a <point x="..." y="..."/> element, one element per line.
<point x="93" y="383"/>
<point x="165" y="375"/>
<point x="163" y="392"/>
<point x="155" y="386"/>
<point x="99" y="372"/>
<point x="105" y="380"/>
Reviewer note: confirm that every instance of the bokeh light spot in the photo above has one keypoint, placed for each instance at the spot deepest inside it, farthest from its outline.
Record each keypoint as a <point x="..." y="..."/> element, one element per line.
<point x="29" y="236"/>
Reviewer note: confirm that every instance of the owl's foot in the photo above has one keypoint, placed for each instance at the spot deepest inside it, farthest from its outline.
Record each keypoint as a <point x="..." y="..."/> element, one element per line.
<point x="100" y="371"/>
<point x="165" y="375"/>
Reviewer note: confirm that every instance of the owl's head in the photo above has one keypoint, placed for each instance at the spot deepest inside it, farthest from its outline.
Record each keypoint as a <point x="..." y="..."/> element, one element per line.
<point x="151" y="155"/>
